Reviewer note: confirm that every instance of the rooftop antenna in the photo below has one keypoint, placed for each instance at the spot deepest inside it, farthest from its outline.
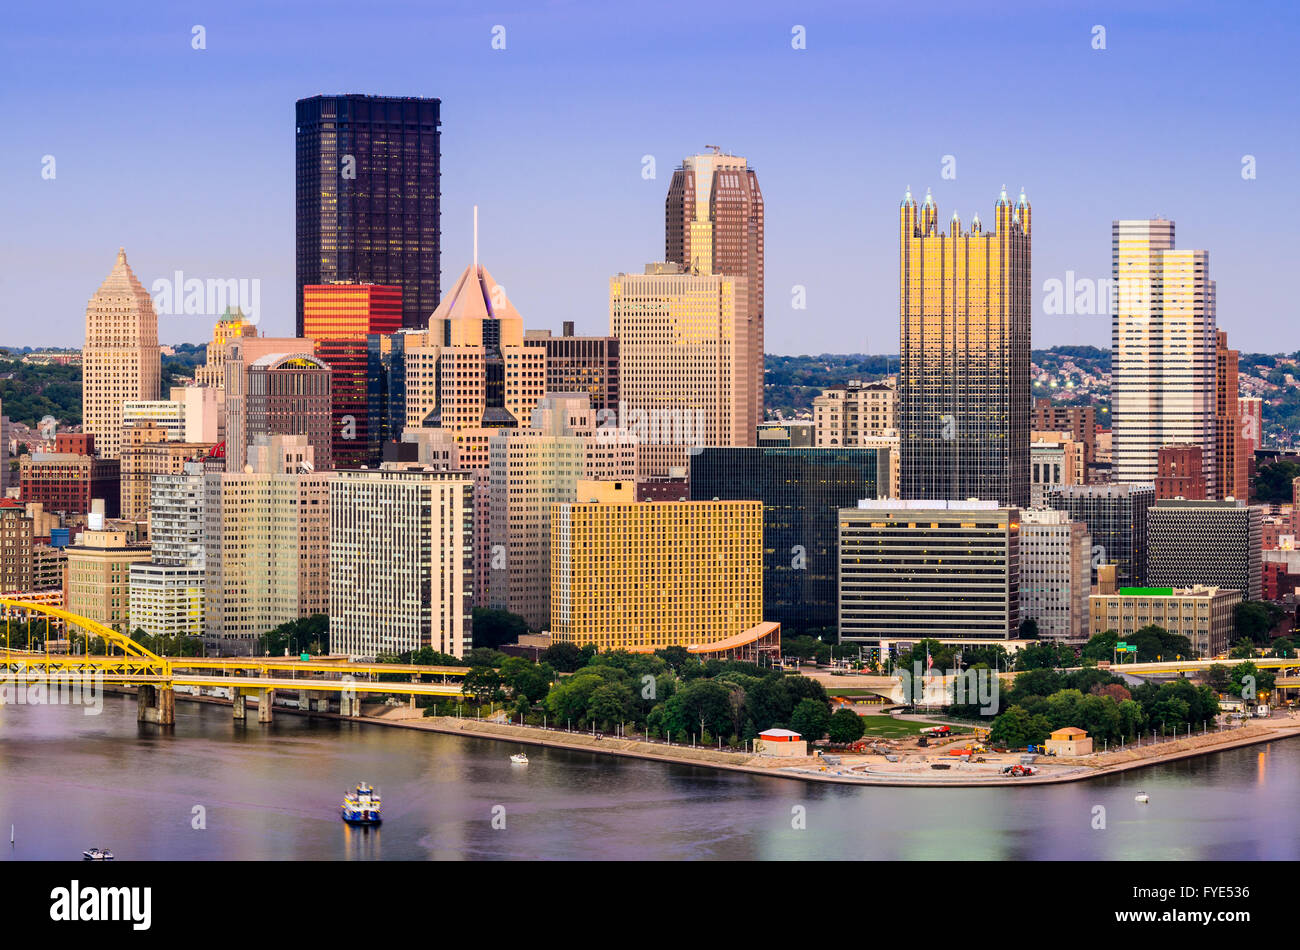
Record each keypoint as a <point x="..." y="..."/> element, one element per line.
<point x="476" y="240"/>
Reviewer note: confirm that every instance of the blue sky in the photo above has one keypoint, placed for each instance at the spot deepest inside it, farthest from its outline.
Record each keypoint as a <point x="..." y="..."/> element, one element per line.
<point x="186" y="156"/>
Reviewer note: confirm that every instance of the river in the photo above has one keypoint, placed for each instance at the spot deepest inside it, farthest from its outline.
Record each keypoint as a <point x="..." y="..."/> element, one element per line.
<point x="213" y="789"/>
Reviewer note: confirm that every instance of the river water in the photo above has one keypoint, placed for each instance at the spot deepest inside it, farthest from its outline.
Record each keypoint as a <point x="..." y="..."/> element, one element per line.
<point x="211" y="788"/>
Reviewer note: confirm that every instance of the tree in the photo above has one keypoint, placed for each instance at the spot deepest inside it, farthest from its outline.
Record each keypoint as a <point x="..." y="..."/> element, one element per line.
<point x="1044" y="655"/>
<point x="810" y="719"/>
<point x="609" y="705"/>
<point x="1273" y="482"/>
<point x="481" y="680"/>
<point x="564" y="656"/>
<point x="1101" y="646"/>
<point x="1029" y="629"/>
<point x="1283" y="647"/>
<point x="1218" y="678"/>
<point x="845" y="726"/>
<point x="492" y="628"/>
<point x="1254" y="619"/>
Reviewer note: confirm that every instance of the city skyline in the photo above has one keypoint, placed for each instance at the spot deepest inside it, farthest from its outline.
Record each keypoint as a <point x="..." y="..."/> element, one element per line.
<point x="207" y="190"/>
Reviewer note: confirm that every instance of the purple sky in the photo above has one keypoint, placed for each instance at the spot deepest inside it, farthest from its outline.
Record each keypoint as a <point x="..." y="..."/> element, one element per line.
<point x="186" y="156"/>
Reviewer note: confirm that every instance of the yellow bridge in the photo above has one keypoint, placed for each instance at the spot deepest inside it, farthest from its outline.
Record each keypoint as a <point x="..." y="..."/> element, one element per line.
<point x="319" y="682"/>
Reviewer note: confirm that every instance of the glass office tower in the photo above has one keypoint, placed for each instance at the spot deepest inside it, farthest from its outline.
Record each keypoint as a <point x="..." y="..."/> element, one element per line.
<point x="369" y="197"/>
<point x="802" y="491"/>
<point x="963" y="381"/>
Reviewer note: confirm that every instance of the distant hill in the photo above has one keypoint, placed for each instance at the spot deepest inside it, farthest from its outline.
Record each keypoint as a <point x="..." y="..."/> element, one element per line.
<point x="1068" y="374"/>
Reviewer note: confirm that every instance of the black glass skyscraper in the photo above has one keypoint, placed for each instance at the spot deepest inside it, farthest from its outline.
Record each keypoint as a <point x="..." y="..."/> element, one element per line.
<point x="369" y="196"/>
<point x="802" y="491"/>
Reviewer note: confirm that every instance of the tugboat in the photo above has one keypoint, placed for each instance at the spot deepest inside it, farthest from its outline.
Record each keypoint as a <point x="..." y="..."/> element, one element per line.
<point x="362" y="806"/>
<point x="519" y="758"/>
<point x="97" y="854"/>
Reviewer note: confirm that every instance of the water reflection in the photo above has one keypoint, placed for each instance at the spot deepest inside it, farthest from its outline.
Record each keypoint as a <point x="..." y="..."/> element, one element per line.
<point x="68" y="782"/>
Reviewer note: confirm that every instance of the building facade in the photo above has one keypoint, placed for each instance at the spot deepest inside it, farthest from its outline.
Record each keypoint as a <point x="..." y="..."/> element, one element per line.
<point x="683" y="374"/>
<point x="266" y="544"/>
<point x="582" y="364"/>
<point x="963" y="382"/>
<point x="802" y="491"/>
<point x="339" y="318"/>
<point x="99" y="576"/>
<point x="641" y="576"/>
<point x="531" y="469"/>
<point x="1180" y="472"/>
<point x="1204" y="615"/>
<point x="1207" y="543"/>
<point x="401" y="560"/>
<point x="714" y="224"/>
<point x="847" y="415"/>
<point x="1055" y="574"/>
<point x="369" y="196"/>
<point x="120" y="360"/>
<point x="1163" y="351"/>
<point x="1116" y="516"/>
<point x="941" y="569"/>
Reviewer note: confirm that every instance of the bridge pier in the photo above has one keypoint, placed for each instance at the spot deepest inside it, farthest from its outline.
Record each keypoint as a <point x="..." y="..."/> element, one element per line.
<point x="349" y="704"/>
<point x="156" y="704"/>
<point x="265" y="699"/>
<point x="265" y="705"/>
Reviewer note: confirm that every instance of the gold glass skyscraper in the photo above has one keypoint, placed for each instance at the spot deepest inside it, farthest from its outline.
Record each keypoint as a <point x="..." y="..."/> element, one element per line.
<point x="963" y="382"/>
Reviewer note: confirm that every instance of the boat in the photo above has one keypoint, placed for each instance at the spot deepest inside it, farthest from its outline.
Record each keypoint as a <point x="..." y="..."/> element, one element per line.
<point x="97" y="854"/>
<point x="362" y="806"/>
<point x="519" y="758"/>
<point x="1142" y="797"/>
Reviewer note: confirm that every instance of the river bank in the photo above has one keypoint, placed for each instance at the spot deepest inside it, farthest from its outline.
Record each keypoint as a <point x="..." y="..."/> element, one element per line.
<point x="867" y="770"/>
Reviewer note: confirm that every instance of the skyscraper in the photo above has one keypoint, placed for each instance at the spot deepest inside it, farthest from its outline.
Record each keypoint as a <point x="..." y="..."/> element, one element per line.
<point x="1163" y="351"/>
<point x="963" y="382"/>
<point x="401" y="560"/>
<point x="369" y="196"/>
<point x="713" y="224"/>
<point x="339" y="318"/>
<point x="682" y="372"/>
<point x="121" y="359"/>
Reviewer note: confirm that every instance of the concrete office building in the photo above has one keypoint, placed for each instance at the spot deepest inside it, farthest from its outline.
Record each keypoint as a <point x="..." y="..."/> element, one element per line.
<point x="684" y="373"/>
<point x="167" y="590"/>
<point x="120" y="360"/>
<point x="1055" y="574"/>
<point x="401" y="560"/>
<point x="241" y="352"/>
<point x="99" y="574"/>
<point x="640" y="576"/>
<point x="147" y="453"/>
<point x="1163" y="351"/>
<point x="1204" y="615"/>
<point x="266" y="543"/>
<point x="1207" y="543"/>
<point x="846" y="415"/>
<point x="714" y="224"/>
<point x="531" y="469"/>
<point x="1116" y="516"/>
<point x="947" y="570"/>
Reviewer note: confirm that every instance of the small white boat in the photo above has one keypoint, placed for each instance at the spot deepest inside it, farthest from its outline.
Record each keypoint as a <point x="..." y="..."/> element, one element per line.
<point x="519" y="758"/>
<point x="1142" y="797"/>
<point x="97" y="854"/>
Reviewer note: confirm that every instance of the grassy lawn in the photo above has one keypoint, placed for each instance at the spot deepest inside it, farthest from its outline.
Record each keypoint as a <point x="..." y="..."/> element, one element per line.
<point x="888" y="728"/>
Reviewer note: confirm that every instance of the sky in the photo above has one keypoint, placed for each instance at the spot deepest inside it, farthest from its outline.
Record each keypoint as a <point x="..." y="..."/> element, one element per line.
<point x="186" y="156"/>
